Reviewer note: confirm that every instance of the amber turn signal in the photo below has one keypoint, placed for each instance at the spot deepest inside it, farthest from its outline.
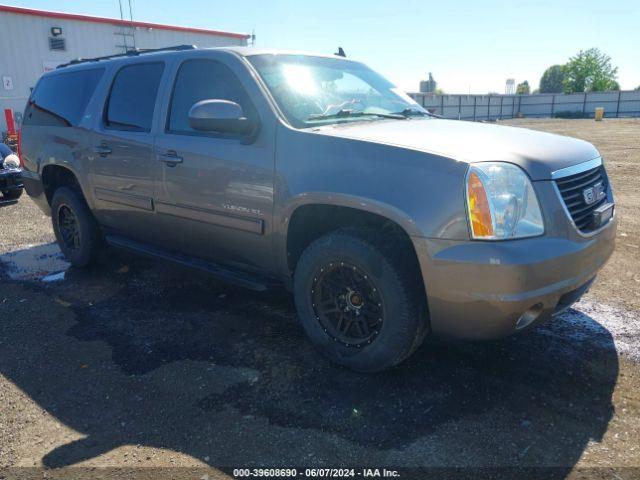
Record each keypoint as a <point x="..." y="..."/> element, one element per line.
<point x="479" y="210"/>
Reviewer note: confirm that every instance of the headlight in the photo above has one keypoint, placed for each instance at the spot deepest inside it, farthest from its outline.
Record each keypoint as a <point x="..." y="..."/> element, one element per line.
<point x="501" y="203"/>
<point x="11" y="161"/>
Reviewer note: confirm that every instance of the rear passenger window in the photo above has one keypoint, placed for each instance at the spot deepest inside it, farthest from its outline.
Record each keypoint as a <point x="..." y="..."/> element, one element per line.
<point x="133" y="97"/>
<point x="202" y="80"/>
<point x="61" y="99"/>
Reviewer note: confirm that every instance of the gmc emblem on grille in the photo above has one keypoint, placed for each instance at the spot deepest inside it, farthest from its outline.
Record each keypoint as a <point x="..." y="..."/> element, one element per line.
<point x="593" y="194"/>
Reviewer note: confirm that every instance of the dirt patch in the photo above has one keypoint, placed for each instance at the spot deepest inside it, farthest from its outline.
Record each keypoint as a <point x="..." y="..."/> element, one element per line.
<point x="190" y="370"/>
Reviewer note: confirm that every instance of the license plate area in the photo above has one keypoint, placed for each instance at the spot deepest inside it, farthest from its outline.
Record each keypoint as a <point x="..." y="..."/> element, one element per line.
<point x="602" y="215"/>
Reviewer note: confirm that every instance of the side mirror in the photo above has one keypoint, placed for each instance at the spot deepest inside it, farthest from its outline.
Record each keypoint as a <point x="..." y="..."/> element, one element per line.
<point x="221" y="116"/>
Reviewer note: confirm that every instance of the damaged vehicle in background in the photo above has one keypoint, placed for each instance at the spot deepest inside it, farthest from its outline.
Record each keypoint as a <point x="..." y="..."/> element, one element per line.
<point x="10" y="174"/>
<point x="267" y="167"/>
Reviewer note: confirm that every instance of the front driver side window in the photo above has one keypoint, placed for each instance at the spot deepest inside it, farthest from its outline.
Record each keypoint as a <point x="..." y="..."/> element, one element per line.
<point x="201" y="80"/>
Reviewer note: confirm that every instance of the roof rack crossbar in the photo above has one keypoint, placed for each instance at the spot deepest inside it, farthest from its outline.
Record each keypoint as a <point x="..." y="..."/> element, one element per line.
<point x="129" y="53"/>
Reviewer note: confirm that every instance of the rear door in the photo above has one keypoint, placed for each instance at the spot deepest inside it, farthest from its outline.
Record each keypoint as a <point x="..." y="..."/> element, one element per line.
<point x="123" y="163"/>
<point x="215" y="191"/>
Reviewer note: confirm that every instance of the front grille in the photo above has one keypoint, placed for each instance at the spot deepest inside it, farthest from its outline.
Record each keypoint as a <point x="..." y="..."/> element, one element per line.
<point x="572" y="190"/>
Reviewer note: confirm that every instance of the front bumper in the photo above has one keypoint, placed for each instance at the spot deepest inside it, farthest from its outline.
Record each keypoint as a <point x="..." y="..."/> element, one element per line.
<point x="479" y="290"/>
<point x="10" y="180"/>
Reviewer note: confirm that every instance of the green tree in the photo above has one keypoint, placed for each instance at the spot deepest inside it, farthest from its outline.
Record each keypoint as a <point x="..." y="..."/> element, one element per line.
<point x="590" y="71"/>
<point x="523" y="88"/>
<point x="552" y="80"/>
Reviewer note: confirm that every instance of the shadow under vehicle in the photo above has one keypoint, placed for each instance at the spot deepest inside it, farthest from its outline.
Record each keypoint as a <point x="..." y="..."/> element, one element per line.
<point x="156" y="357"/>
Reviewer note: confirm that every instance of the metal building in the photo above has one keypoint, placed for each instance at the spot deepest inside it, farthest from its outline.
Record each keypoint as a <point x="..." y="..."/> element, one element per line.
<point x="35" y="41"/>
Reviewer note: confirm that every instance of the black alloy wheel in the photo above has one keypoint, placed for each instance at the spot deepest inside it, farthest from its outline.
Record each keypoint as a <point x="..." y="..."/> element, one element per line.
<point x="69" y="228"/>
<point x="347" y="304"/>
<point x="360" y="299"/>
<point x="76" y="230"/>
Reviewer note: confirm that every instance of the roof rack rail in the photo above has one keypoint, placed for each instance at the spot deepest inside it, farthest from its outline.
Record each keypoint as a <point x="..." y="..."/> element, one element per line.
<point x="130" y="53"/>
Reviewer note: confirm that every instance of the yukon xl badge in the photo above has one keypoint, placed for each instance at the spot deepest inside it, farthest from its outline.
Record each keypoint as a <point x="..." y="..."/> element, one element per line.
<point x="593" y="194"/>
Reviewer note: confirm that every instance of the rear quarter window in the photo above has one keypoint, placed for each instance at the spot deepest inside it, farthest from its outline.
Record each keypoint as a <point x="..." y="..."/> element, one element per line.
<point x="61" y="99"/>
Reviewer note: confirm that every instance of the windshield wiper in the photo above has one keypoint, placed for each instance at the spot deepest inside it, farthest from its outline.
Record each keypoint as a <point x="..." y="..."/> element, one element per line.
<point x="354" y="113"/>
<point x="412" y="112"/>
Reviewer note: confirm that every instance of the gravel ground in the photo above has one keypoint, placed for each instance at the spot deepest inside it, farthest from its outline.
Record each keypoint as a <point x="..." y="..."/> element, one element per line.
<point x="136" y="364"/>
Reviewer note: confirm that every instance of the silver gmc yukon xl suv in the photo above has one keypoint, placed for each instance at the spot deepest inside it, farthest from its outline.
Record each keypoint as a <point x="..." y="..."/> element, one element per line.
<point x="315" y="172"/>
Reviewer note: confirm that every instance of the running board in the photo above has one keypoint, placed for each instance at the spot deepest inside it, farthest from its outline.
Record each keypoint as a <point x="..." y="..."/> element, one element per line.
<point x="237" y="278"/>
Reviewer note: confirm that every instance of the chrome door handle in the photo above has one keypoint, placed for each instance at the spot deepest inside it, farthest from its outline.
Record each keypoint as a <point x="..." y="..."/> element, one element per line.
<point x="103" y="150"/>
<point x="171" y="158"/>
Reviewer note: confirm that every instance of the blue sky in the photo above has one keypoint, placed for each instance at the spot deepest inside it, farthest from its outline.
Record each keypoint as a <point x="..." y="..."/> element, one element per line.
<point x="472" y="45"/>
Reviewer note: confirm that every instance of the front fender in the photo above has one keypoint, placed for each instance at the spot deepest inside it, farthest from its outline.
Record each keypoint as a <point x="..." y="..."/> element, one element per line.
<point x="421" y="192"/>
<point x="351" y="201"/>
<point x="286" y="212"/>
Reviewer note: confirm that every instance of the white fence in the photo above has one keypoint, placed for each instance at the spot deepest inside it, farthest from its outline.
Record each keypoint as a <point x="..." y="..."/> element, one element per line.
<point x="495" y="107"/>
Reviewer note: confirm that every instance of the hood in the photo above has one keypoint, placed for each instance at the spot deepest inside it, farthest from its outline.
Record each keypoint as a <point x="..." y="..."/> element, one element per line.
<point x="538" y="153"/>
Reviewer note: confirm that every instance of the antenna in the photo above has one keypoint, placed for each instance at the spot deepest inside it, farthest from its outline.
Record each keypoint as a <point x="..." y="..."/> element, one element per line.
<point x="124" y="37"/>
<point x="133" y="30"/>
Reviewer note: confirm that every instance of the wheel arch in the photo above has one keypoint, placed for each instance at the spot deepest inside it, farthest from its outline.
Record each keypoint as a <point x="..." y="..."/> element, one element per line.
<point x="310" y="216"/>
<point x="54" y="175"/>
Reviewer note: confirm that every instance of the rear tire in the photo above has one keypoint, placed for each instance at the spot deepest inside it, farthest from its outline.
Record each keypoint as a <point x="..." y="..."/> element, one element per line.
<point x="360" y="264"/>
<point x="75" y="228"/>
<point x="12" y="194"/>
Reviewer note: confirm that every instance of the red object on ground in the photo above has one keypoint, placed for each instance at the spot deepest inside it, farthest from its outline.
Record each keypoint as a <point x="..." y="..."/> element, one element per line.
<point x="11" y="125"/>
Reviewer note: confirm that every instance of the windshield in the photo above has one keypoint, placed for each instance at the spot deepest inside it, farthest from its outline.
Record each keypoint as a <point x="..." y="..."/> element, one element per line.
<point x="313" y="91"/>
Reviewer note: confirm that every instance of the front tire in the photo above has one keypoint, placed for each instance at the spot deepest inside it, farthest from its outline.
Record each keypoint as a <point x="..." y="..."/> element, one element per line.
<point x="359" y="300"/>
<point x="75" y="229"/>
<point x="12" y="194"/>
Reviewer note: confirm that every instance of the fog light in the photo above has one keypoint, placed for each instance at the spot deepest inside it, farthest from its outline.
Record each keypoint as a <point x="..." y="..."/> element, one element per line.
<point x="529" y="316"/>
